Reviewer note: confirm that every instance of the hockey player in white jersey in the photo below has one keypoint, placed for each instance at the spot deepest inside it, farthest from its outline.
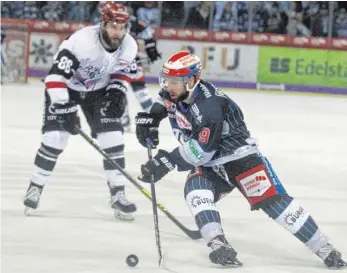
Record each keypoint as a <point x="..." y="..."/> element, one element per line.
<point x="84" y="73"/>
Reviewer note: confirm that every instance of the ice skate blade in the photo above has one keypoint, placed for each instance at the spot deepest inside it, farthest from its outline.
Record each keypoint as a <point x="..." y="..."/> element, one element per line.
<point x="236" y="263"/>
<point x="123" y="216"/>
<point x="337" y="268"/>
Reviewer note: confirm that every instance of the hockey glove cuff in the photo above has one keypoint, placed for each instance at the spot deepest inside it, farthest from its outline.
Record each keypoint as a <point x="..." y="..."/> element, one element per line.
<point x="67" y="116"/>
<point x="158" y="167"/>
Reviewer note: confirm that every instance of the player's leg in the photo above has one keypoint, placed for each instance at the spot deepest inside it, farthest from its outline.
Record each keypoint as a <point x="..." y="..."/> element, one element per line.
<point x="260" y="185"/>
<point x="139" y="87"/>
<point x="125" y="119"/>
<point x="141" y="93"/>
<point x="109" y="134"/>
<point x="202" y="190"/>
<point x="53" y="143"/>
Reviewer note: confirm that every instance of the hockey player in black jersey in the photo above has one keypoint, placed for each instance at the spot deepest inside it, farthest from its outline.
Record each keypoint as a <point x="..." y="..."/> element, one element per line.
<point x="218" y="150"/>
<point x="84" y="72"/>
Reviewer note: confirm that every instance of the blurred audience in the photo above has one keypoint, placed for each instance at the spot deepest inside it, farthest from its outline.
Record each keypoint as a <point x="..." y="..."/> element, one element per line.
<point x="28" y="10"/>
<point x="149" y="14"/>
<point x="53" y="11"/>
<point x="80" y="12"/>
<point x="300" y="18"/>
<point x="341" y="23"/>
<point x="199" y="16"/>
<point x="226" y="19"/>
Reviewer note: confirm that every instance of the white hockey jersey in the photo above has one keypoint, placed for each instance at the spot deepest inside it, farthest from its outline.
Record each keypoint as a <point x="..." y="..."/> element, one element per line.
<point x="82" y="64"/>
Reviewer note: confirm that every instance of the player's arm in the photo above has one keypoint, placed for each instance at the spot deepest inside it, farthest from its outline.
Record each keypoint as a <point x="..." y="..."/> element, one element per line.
<point x="205" y="141"/>
<point x="195" y="152"/>
<point x="64" y="67"/>
<point x="147" y="123"/>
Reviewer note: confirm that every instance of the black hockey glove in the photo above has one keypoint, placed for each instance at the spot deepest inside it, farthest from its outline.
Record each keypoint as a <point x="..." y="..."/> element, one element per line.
<point x="158" y="166"/>
<point x="151" y="50"/>
<point x="147" y="127"/>
<point x="114" y="103"/>
<point x="67" y="116"/>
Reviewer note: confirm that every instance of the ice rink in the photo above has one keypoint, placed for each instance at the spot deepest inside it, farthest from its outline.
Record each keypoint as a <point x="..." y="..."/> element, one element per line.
<point x="304" y="136"/>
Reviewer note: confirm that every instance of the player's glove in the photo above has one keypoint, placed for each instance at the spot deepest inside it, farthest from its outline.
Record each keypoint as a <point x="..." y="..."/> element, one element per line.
<point x="151" y="50"/>
<point x="67" y="117"/>
<point x="147" y="127"/>
<point x="158" y="166"/>
<point x="114" y="103"/>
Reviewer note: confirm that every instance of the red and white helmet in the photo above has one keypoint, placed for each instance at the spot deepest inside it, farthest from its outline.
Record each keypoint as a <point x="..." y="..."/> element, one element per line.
<point x="117" y="13"/>
<point x="181" y="65"/>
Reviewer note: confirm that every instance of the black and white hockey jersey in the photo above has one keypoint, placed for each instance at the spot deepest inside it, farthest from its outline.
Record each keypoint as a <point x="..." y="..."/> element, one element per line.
<point x="83" y="64"/>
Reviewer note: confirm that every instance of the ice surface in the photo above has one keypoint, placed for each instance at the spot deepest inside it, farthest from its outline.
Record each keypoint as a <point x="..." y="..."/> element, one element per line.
<point x="304" y="136"/>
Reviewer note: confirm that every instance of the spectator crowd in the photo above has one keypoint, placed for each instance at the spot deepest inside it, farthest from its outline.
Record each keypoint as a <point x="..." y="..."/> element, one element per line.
<point x="300" y="18"/>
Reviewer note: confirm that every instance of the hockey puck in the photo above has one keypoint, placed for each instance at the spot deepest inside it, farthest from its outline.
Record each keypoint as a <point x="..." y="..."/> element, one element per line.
<point x="132" y="260"/>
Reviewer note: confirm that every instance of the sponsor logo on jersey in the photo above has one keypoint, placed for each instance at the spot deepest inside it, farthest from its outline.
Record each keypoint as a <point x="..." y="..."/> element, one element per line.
<point x="207" y="93"/>
<point x="192" y="152"/>
<point x="196" y="111"/>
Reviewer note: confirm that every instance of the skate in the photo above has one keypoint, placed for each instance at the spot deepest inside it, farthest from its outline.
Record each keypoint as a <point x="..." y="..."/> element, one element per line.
<point x="331" y="257"/>
<point x="223" y="254"/>
<point x="32" y="198"/>
<point x="123" y="209"/>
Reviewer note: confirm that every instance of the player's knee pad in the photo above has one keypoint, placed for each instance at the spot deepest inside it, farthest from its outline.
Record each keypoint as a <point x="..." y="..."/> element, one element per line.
<point x="260" y="184"/>
<point x="113" y="145"/>
<point x="110" y="139"/>
<point x="56" y="139"/>
<point x="52" y="145"/>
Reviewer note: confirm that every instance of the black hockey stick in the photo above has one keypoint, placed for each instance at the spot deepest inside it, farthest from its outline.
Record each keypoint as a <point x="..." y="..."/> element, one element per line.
<point x="154" y="202"/>
<point x="193" y="234"/>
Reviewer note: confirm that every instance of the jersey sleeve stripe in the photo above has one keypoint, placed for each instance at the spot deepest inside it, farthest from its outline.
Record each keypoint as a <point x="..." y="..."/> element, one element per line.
<point x="122" y="77"/>
<point x="56" y="85"/>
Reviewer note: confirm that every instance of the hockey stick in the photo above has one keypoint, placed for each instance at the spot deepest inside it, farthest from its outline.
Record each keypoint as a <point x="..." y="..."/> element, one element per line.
<point x="154" y="201"/>
<point x="193" y="234"/>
